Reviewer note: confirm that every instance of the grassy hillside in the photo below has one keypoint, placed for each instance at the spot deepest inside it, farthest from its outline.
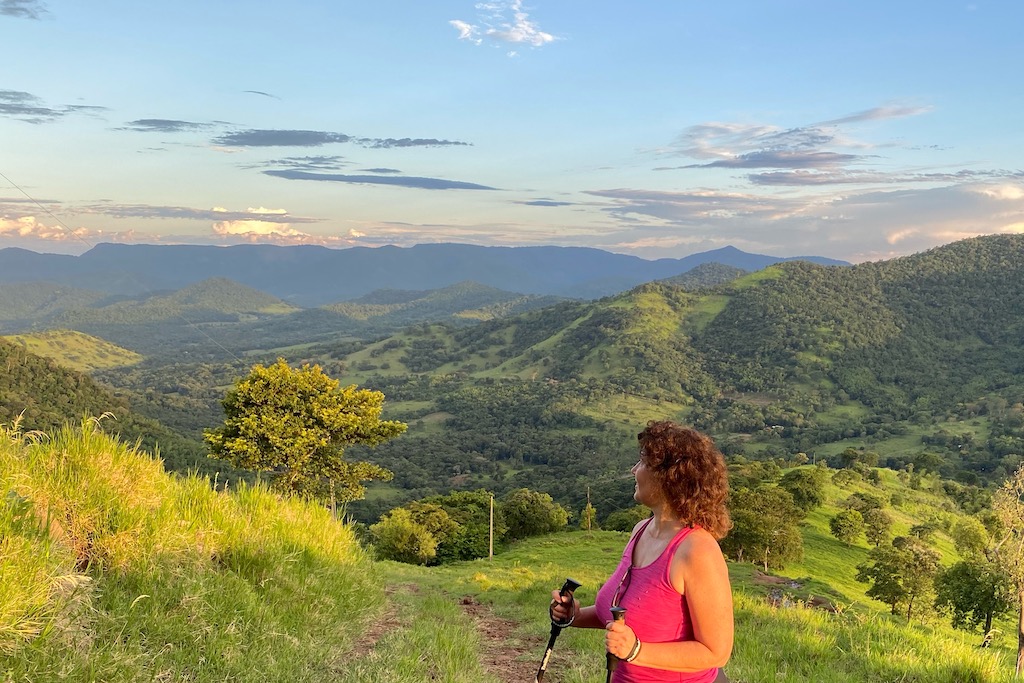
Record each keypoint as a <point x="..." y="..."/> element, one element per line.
<point x="113" y="570"/>
<point x="465" y="301"/>
<point x="76" y="350"/>
<point x="780" y="637"/>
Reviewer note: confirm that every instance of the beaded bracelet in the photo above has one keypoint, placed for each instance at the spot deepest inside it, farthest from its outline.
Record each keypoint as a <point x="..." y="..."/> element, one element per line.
<point x="634" y="653"/>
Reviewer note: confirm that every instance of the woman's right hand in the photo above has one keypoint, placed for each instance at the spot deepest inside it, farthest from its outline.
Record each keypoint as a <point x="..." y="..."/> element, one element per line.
<point x="563" y="607"/>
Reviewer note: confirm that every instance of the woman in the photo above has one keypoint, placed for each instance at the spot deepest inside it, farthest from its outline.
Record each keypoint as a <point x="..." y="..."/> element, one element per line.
<point x="672" y="579"/>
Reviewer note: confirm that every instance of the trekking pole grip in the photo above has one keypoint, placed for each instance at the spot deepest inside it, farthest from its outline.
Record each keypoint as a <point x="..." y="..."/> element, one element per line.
<point x="611" y="661"/>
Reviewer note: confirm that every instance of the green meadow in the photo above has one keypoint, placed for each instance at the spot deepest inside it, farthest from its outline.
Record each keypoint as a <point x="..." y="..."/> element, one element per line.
<point x="113" y="570"/>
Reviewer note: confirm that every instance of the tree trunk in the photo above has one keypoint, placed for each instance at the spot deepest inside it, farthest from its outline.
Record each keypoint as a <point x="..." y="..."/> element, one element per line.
<point x="910" y="606"/>
<point x="1020" y="636"/>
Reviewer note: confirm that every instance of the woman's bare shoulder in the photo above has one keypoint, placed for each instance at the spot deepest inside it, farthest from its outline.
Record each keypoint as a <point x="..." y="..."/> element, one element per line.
<point x="699" y="546"/>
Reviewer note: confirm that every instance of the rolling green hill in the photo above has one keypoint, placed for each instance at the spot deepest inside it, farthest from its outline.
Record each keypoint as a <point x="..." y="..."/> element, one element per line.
<point x="21" y="304"/>
<point x="40" y="395"/>
<point x="469" y="300"/>
<point x="76" y="350"/>
<point x="917" y="359"/>
<point x="215" y="299"/>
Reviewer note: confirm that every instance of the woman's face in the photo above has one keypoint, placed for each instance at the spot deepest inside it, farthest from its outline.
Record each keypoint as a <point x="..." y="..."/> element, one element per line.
<point x="647" y="491"/>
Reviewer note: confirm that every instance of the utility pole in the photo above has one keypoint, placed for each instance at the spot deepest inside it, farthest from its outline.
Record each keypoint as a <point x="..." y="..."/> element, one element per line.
<point x="590" y="512"/>
<point x="490" y="547"/>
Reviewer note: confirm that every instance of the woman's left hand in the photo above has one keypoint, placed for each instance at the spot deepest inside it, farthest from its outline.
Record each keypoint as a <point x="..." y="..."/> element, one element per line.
<point x="619" y="639"/>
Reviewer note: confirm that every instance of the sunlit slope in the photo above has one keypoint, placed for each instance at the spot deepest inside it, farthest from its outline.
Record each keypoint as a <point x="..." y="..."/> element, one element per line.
<point x="639" y="339"/>
<point x="779" y="638"/>
<point x="76" y="350"/>
<point x="465" y="301"/>
<point x="114" y="571"/>
<point x="939" y="326"/>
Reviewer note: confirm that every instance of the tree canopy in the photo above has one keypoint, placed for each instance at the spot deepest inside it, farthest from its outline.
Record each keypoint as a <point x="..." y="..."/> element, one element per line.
<point x="296" y="424"/>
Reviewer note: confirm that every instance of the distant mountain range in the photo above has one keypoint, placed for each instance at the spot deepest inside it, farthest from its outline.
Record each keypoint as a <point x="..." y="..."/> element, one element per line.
<point x="311" y="276"/>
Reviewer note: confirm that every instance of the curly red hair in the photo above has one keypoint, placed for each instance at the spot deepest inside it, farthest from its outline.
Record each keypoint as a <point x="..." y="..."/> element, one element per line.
<point x="691" y="472"/>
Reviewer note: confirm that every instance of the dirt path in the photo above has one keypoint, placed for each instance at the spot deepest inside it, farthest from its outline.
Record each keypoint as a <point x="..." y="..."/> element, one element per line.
<point x="507" y="657"/>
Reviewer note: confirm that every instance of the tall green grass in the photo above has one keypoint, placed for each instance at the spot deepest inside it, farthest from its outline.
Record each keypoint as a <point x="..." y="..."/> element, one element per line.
<point x="113" y="570"/>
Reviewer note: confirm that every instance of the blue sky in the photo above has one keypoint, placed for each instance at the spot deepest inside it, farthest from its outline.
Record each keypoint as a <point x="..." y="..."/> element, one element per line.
<point x="855" y="130"/>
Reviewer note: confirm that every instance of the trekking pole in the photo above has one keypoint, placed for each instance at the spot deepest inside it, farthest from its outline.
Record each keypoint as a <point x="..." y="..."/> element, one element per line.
<point x="556" y="627"/>
<point x="618" y="614"/>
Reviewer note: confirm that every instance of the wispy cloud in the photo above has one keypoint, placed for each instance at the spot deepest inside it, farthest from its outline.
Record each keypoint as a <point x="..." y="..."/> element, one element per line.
<point x="864" y="225"/>
<point x="164" y="126"/>
<point x="279" y="138"/>
<point x="23" y="9"/>
<point x="815" y="154"/>
<point x="217" y="214"/>
<point x="24" y="106"/>
<point x="321" y="162"/>
<point x="388" y="143"/>
<point x="317" y="138"/>
<point x="782" y="159"/>
<point x="502" y="22"/>
<point x="264" y="94"/>
<point x="400" y="181"/>
<point x="544" y="202"/>
<point x="891" y="111"/>
<point x="381" y="170"/>
<point x="817" y="178"/>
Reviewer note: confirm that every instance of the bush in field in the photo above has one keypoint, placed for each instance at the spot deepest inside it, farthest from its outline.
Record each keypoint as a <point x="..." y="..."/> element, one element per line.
<point x="397" y="536"/>
<point x="588" y="518"/>
<point x="434" y="519"/>
<point x="625" y="520"/>
<point x="471" y="510"/>
<point x="901" y="574"/>
<point x="531" y="513"/>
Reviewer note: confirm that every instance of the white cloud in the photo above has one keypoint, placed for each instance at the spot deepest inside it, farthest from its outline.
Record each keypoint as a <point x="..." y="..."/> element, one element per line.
<point x="32" y="228"/>
<point x="254" y="228"/>
<point x="496" y="25"/>
<point x="857" y="226"/>
<point x="467" y="31"/>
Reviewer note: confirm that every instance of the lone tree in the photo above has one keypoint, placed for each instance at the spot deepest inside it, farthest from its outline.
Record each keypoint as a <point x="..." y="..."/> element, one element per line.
<point x="847" y="525"/>
<point x="807" y="486"/>
<point x="296" y="424"/>
<point x="901" y="573"/>
<point x="877" y="525"/>
<point x="765" y="527"/>
<point x="1008" y="504"/>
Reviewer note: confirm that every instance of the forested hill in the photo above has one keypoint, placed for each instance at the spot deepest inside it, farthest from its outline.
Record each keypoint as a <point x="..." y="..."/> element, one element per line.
<point x="41" y="395"/>
<point x="933" y="329"/>
<point x="919" y="358"/>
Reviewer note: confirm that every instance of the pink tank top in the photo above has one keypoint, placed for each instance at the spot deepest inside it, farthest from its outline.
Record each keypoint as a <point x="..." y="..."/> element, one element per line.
<point x="654" y="610"/>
